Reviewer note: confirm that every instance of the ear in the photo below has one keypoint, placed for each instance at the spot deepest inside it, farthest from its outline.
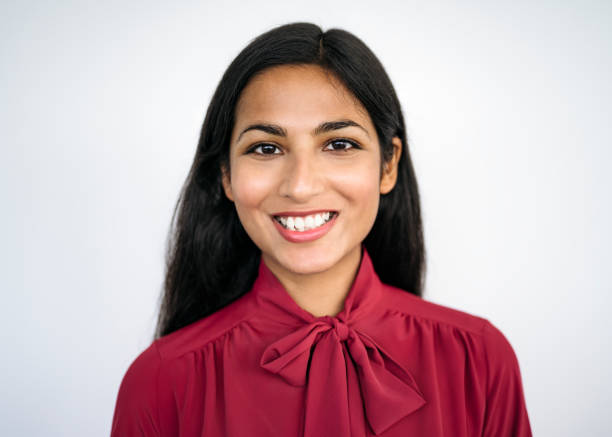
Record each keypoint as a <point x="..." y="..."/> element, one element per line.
<point x="227" y="185"/>
<point x="389" y="173"/>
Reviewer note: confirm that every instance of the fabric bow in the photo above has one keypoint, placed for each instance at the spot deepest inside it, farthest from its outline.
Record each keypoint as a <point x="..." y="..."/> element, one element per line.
<point x="388" y="392"/>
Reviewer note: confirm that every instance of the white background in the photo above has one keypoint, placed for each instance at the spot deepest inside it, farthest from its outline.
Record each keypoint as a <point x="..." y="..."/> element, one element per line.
<point x="508" y="106"/>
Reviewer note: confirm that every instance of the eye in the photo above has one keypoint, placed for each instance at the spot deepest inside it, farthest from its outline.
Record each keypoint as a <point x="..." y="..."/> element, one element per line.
<point x="341" y="145"/>
<point x="265" y="149"/>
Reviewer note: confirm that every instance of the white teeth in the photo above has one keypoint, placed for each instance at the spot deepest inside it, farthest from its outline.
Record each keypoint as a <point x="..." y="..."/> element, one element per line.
<point x="290" y="223"/>
<point x="299" y="224"/>
<point x="302" y="224"/>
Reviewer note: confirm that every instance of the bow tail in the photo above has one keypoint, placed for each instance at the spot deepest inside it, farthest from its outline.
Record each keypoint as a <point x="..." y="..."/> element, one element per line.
<point x="327" y="402"/>
<point x="356" y="405"/>
<point x="389" y="392"/>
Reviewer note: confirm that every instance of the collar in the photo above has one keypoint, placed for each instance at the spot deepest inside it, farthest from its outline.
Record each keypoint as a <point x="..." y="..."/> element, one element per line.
<point x="337" y="362"/>
<point x="360" y="300"/>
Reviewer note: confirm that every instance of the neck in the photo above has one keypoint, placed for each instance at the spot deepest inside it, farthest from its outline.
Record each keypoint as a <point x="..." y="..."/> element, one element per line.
<point x="322" y="293"/>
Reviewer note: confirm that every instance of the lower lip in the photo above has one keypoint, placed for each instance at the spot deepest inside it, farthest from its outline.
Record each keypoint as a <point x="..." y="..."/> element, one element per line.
<point x="303" y="237"/>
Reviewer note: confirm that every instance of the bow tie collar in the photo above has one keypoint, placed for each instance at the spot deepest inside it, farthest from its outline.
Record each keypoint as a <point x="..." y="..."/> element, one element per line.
<point x="346" y="373"/>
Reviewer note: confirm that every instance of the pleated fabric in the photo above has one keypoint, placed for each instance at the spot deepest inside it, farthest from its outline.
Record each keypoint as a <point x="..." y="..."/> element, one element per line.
<point x="389" y="364"/>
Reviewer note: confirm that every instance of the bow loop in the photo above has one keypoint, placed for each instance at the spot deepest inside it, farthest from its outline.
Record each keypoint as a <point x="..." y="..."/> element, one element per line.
<point x="388" y="392"/>
<point x="288" y="357"/>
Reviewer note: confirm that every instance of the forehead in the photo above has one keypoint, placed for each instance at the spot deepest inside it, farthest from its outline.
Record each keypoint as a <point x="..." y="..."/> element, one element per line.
<point x="298" y="96"/>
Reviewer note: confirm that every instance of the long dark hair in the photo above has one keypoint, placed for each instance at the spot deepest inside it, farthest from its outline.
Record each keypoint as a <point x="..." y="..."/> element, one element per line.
<point x="210" y="259"/>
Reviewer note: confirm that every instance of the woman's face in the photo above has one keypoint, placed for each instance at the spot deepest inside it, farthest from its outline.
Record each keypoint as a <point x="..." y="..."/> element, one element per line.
<point x="305" y="170"/>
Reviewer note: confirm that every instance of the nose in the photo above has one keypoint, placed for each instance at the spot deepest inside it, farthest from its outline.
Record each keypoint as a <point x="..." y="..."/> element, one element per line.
<point x="302" y="178"/>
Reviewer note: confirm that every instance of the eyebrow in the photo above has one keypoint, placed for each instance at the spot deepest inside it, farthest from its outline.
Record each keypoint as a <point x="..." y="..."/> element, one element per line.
<point x="324" y="127"/>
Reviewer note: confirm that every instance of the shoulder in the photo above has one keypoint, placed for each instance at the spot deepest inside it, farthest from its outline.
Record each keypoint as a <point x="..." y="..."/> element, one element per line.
<point x="199" y="334"/>
<point x="141" y="373"/>
<point x="145" y="399"/>
<point x="503" y="370"/>
<point x="493" y="345"/>
<point x="400" y="301"/>
<point x="137" y="405"/>
<point x="488" y="347"/>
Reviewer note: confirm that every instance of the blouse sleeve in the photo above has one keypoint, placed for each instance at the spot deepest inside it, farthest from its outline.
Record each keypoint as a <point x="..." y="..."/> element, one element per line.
<point x="139" y="401"/>
<point x="506" y="412"/>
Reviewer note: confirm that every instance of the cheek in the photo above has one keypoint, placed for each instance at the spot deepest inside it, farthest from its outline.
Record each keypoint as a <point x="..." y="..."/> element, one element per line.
<point x="361" y="187"/>
<point x="250" y="187"/>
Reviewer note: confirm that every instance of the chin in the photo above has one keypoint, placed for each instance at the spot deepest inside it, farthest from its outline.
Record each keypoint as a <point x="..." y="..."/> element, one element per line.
<point x="315" y="261"/>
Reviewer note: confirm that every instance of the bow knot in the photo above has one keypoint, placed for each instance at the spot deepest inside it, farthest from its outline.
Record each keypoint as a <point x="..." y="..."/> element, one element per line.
<point x="342" y="331"/>
<point x="388" y="392"/>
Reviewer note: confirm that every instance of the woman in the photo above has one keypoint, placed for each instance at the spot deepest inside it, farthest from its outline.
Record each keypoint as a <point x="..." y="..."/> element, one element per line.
<point x="291" y="302"/>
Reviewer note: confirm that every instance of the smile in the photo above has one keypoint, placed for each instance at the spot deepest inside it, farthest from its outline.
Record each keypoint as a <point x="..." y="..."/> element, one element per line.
<point x="305" y="227"/>
<point x="305" y="223"/>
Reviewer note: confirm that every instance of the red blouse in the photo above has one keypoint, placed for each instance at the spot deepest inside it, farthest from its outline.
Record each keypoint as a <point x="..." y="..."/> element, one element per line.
<point x="390" y="364"/>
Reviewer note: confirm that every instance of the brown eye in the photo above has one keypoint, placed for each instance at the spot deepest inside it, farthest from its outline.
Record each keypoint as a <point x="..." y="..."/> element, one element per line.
<point x="340" y="145"/>
<point x="265" y="149"/>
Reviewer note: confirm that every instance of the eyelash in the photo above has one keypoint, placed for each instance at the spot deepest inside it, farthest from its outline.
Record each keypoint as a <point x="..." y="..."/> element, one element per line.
<point x="353" y="145"/>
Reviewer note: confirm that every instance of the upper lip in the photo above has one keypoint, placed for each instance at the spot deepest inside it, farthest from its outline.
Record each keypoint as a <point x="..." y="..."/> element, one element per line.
<point x="301" y="213"/>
